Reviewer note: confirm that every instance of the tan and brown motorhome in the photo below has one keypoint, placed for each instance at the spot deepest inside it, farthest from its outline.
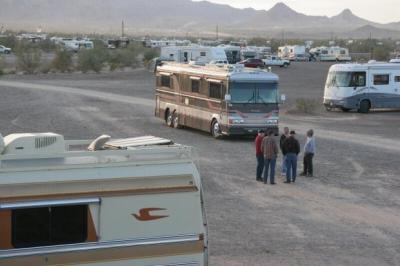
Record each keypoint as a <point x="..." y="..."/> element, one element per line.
<point x="230" y="100"/>
<point x="123" y="202"/>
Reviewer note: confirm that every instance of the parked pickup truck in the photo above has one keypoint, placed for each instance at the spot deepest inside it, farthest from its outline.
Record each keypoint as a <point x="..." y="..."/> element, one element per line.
<point x="4" y="50"/>
<point x="276" y="61"/>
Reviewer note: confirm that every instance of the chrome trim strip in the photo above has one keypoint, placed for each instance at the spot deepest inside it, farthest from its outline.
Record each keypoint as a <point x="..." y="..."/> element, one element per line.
<point x="190" y="96"/>
<point x="192" y="263"/>
<point x="47" y="250"/>
<point x="47" y="203"/>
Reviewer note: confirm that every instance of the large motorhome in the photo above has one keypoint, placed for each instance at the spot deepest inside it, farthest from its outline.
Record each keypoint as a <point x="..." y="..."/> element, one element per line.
<point x="363" y="86"/>
<point x="186" y="54"/>
<point x="122" y="202"/>
<point x="233" y="54"/>
<point x="334" y="53"/>
<point x="232" y="100"/>
<point x="76" y="45"/>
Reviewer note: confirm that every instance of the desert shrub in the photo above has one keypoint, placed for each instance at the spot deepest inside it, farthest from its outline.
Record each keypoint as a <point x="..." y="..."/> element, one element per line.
<point x="28" y="59"/>
<point x="92" y="59"/>
<point x="62" y="61"/>
<point x="150" y="54"/>
<point x="381" y="54"/>
<point x="123" y="58"/>
<point x="307" y="106"/>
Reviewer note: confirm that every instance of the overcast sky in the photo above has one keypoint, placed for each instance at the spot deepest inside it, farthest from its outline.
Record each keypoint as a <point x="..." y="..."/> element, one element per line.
<point x="376" y="10"/>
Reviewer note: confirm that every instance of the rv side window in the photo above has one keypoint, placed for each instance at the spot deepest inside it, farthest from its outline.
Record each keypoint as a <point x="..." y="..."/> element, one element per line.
<point x="165" y="81"/>
<point x="397" y="79"/>
<point x="215" y="90"/>
<point x="44" y="226"/>
<point x="202" y="53"/>
<point x="195" y="85"/>
<point x="358" y="79"/>
<point x="381" y="79"/>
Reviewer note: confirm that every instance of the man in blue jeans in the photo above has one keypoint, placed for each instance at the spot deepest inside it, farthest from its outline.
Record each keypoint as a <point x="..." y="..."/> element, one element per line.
<point x="291" y="148"/>
<point x="259" y="155"/>
<point x="270" y="151"/>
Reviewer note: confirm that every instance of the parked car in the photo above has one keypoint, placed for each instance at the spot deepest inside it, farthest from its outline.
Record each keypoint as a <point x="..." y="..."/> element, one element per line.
<point x="253" y="62"/>
<point x="276" y="61"/>
<point x="4" y="50"/>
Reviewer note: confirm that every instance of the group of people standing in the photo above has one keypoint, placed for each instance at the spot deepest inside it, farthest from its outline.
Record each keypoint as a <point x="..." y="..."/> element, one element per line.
<point x="267" y="151"/>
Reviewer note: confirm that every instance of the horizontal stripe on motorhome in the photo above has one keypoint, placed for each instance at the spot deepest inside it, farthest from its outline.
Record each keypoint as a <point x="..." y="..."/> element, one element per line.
<point x="190" y="96"/>
<point x="101" y="193"/>
<point x="104" y="251"/>
<point x="214" y="80"/>
<point x="48" y="203"/>
<point x="195" y="78"/>
<point x="165" y="73"/>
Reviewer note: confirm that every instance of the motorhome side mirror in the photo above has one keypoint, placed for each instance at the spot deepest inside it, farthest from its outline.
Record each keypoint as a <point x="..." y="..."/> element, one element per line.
<point x="227" y="97"/>
<point x="283" y="98"/>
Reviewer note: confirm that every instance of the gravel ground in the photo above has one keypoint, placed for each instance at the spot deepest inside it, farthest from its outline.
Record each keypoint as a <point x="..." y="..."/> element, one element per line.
<point x="348" y="214"/>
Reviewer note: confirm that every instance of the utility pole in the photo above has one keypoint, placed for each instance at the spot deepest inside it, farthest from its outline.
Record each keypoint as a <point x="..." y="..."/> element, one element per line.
<point x="371" y="49"/>
<point x="217" y="33"/>
<point x="123" y="29"/>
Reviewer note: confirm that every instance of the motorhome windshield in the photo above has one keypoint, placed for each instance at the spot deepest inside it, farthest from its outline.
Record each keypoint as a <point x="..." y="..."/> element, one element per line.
<point x="254" y="92"/>
<point x="346" y="79"/>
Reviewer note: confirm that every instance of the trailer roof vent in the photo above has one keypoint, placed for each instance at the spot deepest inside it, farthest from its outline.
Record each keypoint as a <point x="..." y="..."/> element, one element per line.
<point x="33" y="143"/>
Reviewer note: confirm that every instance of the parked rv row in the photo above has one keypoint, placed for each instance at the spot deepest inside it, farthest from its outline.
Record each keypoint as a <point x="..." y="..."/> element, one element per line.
<point x="323" y="53"/>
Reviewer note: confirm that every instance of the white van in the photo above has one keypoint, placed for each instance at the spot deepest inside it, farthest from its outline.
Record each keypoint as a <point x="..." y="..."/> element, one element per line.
<point x="363" y="86"/>
<point x="123" y="202"/>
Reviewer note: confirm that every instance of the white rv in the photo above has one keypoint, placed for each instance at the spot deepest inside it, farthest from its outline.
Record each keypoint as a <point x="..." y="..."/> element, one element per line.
<point x="119" y="202"/>
<point x="76" y="45"/>
<point x="186" y="54"/>
<point x="334" y="53"/>
<point x="363" y="86"/>
<point x="293" y="52"/>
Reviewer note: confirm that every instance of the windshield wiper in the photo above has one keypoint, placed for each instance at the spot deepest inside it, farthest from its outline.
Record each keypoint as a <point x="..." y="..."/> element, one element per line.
<point x="252" y="97"/>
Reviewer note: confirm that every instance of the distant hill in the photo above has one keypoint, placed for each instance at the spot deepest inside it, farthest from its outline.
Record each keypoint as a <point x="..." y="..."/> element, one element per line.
<point x="365" y="31"/>
<point x="175" y="17"/>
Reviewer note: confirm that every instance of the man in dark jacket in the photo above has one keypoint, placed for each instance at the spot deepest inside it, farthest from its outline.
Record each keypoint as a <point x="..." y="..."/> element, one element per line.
<point x="259" y="154"/>
<point x="284" y="136"/>
<point x="291" y="148"/>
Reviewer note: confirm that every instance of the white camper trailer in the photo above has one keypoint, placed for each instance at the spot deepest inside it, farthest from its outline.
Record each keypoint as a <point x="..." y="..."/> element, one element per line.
<point x="293" y="52"/>
<point x="334" y="53"/>
<point x="119" y="202"/>
<point x="363" y="86"/>
<point x="185" y="54"/>
<point x="76" y="45"/>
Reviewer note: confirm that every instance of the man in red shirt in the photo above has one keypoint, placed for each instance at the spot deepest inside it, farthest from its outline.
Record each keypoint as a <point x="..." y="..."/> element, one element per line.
<point x="259" y="154"/>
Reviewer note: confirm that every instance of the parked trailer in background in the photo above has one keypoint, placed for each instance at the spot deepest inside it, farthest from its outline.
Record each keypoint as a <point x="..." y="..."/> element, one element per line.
<point x="334" y="53"/>
<point x="186" y="54"/>
<point x="123" y="202"/>
<point x="293" y="52"/>
<point x="223" y="101"/>
<point x="363" y="86"/>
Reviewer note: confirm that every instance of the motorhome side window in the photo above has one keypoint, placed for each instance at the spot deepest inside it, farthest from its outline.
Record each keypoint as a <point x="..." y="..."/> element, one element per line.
<point x="195" y="85"/>
<point x="202" y="53"/>
<point x="216" y="90"/>
<point x="381" y="79"/>
<point x="165" y="81"/>
<point x="45" y="226"/>
<point x="358" y="79"/>
<point x="397" y="79"/>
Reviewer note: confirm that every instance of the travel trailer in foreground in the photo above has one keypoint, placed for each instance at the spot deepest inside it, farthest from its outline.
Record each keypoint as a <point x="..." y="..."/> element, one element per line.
<point x="119" y="202"/>
<point x="186" y="54"/>
<point x="230" y="100"/>
<point x="363" y="86"/>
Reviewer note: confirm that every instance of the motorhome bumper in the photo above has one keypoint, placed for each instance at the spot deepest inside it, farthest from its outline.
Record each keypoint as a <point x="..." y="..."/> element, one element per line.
<point x="335" y="103"/>
<point x="243" y="130"/>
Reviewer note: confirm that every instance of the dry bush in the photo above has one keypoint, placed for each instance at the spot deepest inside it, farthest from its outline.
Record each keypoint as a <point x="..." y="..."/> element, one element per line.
<point x="307" y="106"/>
<point x="29" y="59"/>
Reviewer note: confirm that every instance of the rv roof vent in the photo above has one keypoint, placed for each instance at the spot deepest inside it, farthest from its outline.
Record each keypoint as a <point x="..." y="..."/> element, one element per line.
<point x="31" y="143"/>
<point x="98" y="144"/>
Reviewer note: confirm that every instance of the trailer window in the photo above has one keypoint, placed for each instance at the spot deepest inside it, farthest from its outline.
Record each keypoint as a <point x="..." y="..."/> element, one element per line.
<point x="195" y="85"/>
<point x="381" y="79"/>
<point x="44" y="226"/>
<point x="397" y="79"/>
<point x="202" y="53"/>
<point x="215" y="90"/>
<point x="165" y="81"/>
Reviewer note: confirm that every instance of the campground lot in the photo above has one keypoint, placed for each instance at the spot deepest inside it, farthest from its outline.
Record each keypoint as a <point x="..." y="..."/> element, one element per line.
<point x="348" y="214"/>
